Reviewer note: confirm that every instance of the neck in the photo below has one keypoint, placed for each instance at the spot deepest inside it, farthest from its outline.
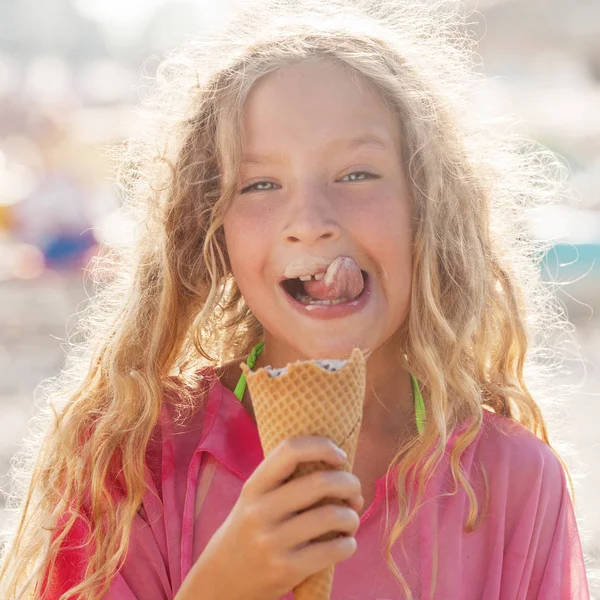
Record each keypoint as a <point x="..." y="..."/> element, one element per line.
<point x="389" y="405"/>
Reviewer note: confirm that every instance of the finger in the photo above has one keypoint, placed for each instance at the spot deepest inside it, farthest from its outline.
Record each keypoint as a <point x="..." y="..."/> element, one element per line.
<point x="317" y="556"/>
<point x="285" y="458"/>
<point x="302" y="493"/>
<point x="314" y="523"/>
<point x="356" y="502"/>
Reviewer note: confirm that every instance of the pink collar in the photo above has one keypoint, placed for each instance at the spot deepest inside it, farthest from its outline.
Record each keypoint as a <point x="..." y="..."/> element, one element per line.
<point x="229" y="433"/>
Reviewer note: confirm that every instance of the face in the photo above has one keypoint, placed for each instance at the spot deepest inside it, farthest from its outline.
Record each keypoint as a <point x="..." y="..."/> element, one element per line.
<point x="321" y="176"/>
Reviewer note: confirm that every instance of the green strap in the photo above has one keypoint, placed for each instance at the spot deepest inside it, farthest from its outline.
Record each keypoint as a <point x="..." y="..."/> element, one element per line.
<point x="240" y="388"/>
<point x="419" y="405"/>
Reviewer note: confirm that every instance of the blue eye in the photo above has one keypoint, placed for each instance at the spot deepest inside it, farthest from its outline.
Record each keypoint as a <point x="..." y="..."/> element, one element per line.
<point x="258" y="187"/>
<point x="360" y="176"/>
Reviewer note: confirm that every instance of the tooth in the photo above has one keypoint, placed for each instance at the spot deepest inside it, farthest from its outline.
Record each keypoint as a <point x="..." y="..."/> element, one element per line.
<point x="319" y="276"/>
<point x="308" y="301"/>
<point x="305" y="277"/>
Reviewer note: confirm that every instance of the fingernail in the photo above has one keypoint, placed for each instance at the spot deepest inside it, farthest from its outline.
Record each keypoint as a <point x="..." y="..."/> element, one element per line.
<point x="341" y="453"/>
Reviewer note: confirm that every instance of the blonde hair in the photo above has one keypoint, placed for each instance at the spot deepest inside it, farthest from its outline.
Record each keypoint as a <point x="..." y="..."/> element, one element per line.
<point x="168" y="303"/>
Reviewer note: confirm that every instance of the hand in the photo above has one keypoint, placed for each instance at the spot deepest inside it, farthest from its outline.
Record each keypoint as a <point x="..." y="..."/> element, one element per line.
<point x="263" y="549"/>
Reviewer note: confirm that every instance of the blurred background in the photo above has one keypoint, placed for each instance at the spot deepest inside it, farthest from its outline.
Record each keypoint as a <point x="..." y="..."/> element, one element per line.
<point x="70" y="73"/>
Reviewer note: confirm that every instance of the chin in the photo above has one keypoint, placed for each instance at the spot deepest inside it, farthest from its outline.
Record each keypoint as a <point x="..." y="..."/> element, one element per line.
<point x="331" y="348"/>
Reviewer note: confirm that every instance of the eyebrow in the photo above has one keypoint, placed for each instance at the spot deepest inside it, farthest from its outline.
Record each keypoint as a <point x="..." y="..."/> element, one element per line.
<point x="348" y="144"/>
<point x="367" y="140"/>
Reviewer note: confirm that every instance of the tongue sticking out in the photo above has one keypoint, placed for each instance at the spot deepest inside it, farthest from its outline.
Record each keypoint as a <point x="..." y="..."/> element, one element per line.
<point x="342" y="280"/>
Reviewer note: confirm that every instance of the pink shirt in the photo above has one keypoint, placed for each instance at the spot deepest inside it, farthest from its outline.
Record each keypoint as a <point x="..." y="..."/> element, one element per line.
<point x="527" y="546"/>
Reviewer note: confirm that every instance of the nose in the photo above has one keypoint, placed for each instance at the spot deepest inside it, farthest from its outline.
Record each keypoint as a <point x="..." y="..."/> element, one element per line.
<point x="310" y="219"/>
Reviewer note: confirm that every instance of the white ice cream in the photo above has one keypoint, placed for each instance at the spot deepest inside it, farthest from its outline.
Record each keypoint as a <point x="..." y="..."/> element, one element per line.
<point x="307" y="265"/>
<point x="332" y="364"/>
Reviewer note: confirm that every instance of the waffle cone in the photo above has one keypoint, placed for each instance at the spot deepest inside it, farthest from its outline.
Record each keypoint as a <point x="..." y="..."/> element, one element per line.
<point x="309" y="400"/>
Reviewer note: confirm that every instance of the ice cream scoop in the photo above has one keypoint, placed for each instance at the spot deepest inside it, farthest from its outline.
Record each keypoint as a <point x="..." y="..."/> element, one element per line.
<point x="326" y="279"/>
<point x="343" y="279"/>
<point x="330" y="365"/>
<point x="306" y="265"/>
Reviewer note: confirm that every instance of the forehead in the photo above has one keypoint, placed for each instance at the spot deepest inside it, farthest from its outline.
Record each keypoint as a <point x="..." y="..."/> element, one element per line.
<point x="315" y="101"/>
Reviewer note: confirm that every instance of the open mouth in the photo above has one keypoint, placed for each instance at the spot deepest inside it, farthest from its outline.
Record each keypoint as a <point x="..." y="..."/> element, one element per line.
<point x="295" y="289"/>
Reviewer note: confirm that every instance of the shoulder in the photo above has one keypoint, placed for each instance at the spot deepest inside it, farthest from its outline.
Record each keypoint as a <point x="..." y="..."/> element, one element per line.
<point x="185" y="419"/>
<point x="530" y="511"/>
<point x="184" y="406"/>
<point x="523" y="472"/>
<point x="506" y="444"/>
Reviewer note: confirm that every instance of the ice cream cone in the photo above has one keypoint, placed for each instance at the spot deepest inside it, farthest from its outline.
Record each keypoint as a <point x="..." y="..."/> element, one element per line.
<point x="309" y="400"/>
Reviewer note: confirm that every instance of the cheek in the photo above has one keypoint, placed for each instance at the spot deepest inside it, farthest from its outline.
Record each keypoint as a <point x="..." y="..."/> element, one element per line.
<point x="400" y="248"/>
<point x="246" y="238"/>
<point x="232" y="238"/>
<point x="387" y="226"/>
<point x="388" y="222"/>
<point x="245" y="220"/>
<point x="236" y="240"/>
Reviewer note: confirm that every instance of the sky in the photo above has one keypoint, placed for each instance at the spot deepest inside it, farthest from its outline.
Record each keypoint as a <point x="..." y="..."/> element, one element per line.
<point x="125" y="18"/>
<point x="127" y="12"/>
<point x="123" y="21"/>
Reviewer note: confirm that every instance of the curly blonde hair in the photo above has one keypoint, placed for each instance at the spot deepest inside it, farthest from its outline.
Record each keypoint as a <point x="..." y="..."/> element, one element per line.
<point x="168" y="304"/>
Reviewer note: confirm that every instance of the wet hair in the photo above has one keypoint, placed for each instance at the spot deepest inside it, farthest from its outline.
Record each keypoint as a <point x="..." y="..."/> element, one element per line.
<point x="167" y="302"/>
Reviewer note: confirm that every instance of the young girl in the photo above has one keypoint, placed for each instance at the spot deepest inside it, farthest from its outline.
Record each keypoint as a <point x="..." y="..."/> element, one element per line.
<point x="314" y="134"/>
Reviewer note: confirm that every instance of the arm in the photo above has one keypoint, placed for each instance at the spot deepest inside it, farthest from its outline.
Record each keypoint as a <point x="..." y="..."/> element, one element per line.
<point x="560" y="562"/>
<point x="69" y="567"/>
<point x="198" y="579"/>
<point x="543" y="558"/>
<point x="139" y="579"/>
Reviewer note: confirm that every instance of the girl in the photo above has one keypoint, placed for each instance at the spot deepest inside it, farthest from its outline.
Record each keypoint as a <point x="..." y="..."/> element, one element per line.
<point x="314" y="134"/>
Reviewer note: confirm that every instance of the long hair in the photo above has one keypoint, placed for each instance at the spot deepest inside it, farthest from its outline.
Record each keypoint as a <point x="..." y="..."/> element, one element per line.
<point x="167" y="303"/>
